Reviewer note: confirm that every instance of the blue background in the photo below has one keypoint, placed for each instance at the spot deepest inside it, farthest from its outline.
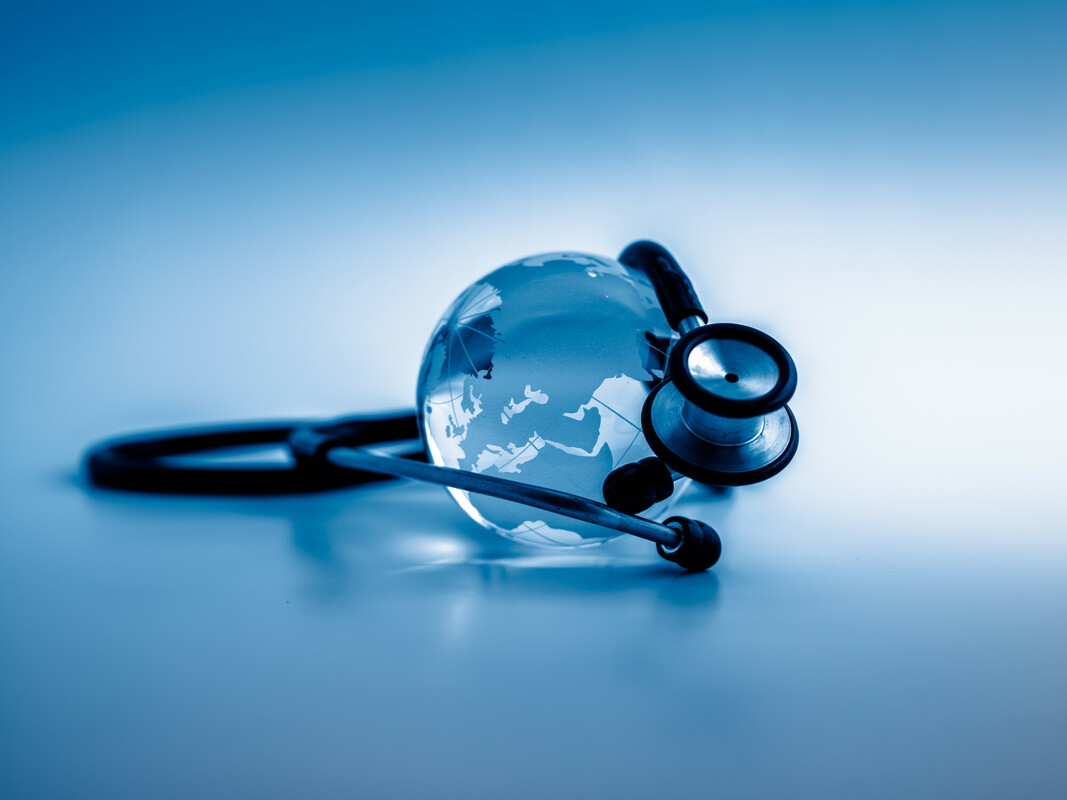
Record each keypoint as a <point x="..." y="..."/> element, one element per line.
<point x="238" y="210"/>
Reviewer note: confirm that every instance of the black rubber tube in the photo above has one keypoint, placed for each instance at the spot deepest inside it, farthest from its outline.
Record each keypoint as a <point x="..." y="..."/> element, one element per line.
<point x="138" y="463"/>
<point x="673" y="288"/>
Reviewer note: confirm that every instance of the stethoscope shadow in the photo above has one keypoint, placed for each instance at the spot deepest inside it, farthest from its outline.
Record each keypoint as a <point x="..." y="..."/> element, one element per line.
<point x="412" y="538"/>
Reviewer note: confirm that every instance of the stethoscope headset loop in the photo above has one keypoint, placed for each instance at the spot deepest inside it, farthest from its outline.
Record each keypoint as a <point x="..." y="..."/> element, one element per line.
<point x="719" y="416"/>
<point x="139" y="463"/>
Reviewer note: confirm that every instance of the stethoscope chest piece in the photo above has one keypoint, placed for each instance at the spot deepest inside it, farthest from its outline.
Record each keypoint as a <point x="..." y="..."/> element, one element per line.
<point x="720" y="416"/>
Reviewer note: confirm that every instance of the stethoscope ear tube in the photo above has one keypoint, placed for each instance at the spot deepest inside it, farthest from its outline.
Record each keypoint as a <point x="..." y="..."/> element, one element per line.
<point x="335" y="455"/>
<point x="139" y="463"/>
<point x="692" y="545"/>
<point x="673" y="288"/>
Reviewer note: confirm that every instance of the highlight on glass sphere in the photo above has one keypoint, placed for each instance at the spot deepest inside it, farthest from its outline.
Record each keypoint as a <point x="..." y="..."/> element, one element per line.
<point x="537" y="373"/>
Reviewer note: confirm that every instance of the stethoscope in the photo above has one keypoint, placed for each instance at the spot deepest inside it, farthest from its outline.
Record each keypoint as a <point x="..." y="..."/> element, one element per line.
<point x="718" y="416"/>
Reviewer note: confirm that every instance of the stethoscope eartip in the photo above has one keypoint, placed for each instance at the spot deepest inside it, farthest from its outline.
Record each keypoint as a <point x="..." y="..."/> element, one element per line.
<point x="698" y="548"/>
<point x="634" y="487"/>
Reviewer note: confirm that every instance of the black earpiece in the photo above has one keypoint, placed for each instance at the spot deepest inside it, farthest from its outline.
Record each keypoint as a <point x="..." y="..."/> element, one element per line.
<point x="635" y="487"/>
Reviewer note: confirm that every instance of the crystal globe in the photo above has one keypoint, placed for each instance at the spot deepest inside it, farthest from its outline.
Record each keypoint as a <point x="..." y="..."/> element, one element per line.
<point x="537" y="373"/>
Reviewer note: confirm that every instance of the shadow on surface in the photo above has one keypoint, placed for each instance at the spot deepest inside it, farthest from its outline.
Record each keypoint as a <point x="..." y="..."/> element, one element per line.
<point x="410" y="538"/>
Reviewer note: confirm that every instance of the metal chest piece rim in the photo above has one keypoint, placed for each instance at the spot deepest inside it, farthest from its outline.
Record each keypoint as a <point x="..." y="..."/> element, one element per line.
<point x="720" y="414"/>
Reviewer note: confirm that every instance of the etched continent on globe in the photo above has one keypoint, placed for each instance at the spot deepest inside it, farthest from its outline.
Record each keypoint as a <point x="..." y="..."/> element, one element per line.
<point x="537" y="373"/>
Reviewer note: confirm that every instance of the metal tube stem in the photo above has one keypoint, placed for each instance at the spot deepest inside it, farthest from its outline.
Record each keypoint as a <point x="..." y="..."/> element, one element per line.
<point x="691" y="324"/>
<point x="568" y="505"/>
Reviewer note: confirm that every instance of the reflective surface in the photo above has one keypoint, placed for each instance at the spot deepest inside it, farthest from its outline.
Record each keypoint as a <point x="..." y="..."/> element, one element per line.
<point x="537" y="373"/>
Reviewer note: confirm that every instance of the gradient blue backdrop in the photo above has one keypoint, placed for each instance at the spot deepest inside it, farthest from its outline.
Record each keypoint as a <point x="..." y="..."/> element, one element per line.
<point x="239" y="210"/>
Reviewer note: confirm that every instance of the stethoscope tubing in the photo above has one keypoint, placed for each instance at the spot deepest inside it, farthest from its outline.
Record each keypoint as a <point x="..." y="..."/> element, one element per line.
<point x="325" y="456"/>
<point x="142" y="462"/>
<point x="568" y="505"/>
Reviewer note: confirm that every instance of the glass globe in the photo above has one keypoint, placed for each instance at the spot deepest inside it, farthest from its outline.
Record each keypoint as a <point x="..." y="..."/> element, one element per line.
<point x="537" y="373"/>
